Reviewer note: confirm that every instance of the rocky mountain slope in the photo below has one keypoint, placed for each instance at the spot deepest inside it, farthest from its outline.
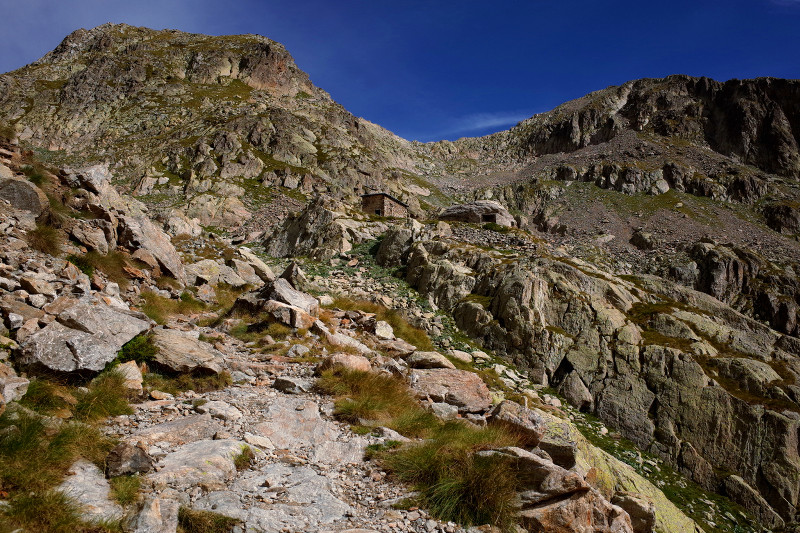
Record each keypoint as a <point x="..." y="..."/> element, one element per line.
<point x="650" y="281"/>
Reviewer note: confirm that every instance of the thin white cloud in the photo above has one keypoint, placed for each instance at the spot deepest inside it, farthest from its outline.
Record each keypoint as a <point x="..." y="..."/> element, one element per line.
<point x="480" y="122"/>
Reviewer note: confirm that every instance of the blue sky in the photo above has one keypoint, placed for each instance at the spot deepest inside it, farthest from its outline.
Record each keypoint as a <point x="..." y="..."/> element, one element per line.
<point x="429" y="70"/>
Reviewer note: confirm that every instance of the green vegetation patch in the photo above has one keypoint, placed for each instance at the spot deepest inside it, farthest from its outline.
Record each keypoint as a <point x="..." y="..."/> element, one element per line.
<point x="454" y="481"/>
<point x="193" y="521"/>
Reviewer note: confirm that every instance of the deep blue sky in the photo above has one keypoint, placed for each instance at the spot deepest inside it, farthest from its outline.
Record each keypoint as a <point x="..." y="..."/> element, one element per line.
<point x="444" y="69"/>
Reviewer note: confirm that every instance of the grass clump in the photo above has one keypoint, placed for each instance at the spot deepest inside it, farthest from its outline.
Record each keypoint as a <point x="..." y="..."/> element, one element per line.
<point x="455" y="482"/>
<point x="244" y="458"/>
<point x="50" y="511"/>
<point x="193" y="521"/>
<point x="107" y="396"/>
<point x="45" y="239"/>
<point x="493" y="226"/>
<point x="82" y="263"/>
<point x="48" y="398"/>
<point x="176" y="384"/>
<point x="377" y="399"/>
<point x="159" y="308"/>
<point x="400" y="325"/>
<point x="140" y="349"/>
<point x="112" y="264"/>
<point x="125" y="488"/>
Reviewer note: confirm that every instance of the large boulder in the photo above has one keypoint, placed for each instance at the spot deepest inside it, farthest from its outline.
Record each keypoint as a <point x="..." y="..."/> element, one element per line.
<point x="521" y="420"/>
<point x="461" y="388"/>
<point x="84" y="337"/>
<point x="24" y="195"/>
<point x="204" y="463"/>
<point x="140" y="232"/>
<point x="282" y="291"/>
<point x="88" y="487"/>
<point x="181" y="352"/>
<point x="315" y="232"/>
<point x="211" y="272"/>
<point x="478" y="212"/>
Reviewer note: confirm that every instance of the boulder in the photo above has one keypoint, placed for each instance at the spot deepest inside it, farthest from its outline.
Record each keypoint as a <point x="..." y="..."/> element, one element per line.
<point x="221" y="410"/>
<point x="314" y="232"/>
<point x="207" y="464"/>
<point x="639" y="508"/>
<point x="346" y="360"/>
<point x="180" y="431"/>
<point x="139" y="232"/>
<point x="132" y="374"/>
<point x="282" y="291"/>
<point x="521" y="420"/>
<point x="85" y="337"/>
<point x="24" y="195"/>
<point x="155" y="515"/>
<point x="179" y="224"/>
<point x="288" y="314"/>
<point x="211" y="272"/>
<point x="260" y="267"/>
<point x="479" y="212"/>
<point x="583" y="512"/>
<point x="181" y="352"/>
<point x="91" y="234"/>
<point x="428" y="360"/>
<point x="127" y="459"/>
<point x="295" y="276"/>
<point x="461" y="388"/>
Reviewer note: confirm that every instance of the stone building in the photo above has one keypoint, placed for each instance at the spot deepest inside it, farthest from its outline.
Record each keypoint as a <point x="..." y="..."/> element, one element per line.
<point x="383" y="204"/>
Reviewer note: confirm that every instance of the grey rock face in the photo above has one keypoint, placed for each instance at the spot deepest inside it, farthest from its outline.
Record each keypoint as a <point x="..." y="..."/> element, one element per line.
<point x="521" y="420"/>
<point x="156" y="515"/>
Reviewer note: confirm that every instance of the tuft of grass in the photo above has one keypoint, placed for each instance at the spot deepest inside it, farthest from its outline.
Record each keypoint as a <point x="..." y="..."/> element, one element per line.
<point x="193" y="521"/>
<point x="400" y="325"/>
<point x="50" y="511"/>
<point x="183" y="382"/>
<point x="113" y="265"/>
<point x="492" y="226"/>
<point x="47" y="398"/>
<point x="107" y="396"/>
<point x="244" y="458"/>
<point x="140" y="349"/>
<point x="125" y="488"/>
<point x="82" y="263"/>
<point x="379" y="399"/>
<point x="455" y="482"/>
<point x="159" y="308"/>
<point x="45" y="239"/>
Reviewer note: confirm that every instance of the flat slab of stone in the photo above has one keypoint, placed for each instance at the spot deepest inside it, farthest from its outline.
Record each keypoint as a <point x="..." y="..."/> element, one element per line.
<point x="428" y="360"/>
<point x="295" y="422"/>
<point x="179" y="431"/>
<point x="87" y="485"/>
<point x="205" y="463"/>
<point x="306" y="500"/>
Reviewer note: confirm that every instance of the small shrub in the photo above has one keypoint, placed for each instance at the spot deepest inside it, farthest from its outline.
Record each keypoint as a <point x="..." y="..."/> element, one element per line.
<point x="45" y="239"/>
<point x="192" y="521"/>
<point x="125" y="488"/>
<point x="244" y="458"/>
<point x="140" y="349"/>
